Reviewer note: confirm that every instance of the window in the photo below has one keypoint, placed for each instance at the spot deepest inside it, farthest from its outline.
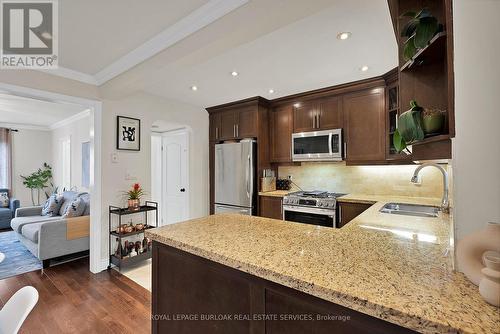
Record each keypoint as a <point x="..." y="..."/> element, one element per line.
<point x="65" y="164"/>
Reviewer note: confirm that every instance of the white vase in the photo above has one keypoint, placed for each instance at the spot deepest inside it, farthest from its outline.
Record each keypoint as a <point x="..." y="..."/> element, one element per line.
<point x="489" y="287"/>
<point x="471" y="248"/>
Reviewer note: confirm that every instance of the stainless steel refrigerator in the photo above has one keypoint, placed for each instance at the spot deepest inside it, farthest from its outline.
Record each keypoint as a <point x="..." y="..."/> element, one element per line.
<point x="235" y="177"/>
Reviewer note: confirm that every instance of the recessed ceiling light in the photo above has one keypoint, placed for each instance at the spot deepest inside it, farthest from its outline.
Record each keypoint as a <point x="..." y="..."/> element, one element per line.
<point x="194" y="88"/>
<point x="364" y="68"/>
<point x="234" y="73"/>
<point x="344" y="35"/>
<point x="271" y="91"/>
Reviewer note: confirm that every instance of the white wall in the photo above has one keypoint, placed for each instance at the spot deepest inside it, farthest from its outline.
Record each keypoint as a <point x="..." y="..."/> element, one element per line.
<point x="79" y="132"/>
<point x="30" y="149"/>
<point x="476" y="150"/>
<point x="136" y="166"/>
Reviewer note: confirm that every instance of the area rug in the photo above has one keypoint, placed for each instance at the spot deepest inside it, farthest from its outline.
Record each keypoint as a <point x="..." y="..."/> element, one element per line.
<point x="18" y="259"/>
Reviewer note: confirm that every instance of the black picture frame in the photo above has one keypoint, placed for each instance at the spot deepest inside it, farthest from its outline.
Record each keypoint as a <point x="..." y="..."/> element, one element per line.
<point x="122" y="144"/>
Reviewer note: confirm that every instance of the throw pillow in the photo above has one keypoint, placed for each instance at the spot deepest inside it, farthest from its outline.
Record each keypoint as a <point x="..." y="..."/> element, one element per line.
<point x="51" y="207"/>
<point x="4" y="200"/>
<point x="75" y="208"/>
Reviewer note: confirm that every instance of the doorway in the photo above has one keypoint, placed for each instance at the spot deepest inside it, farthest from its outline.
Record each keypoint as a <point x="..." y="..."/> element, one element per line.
<point x="170" y="174"/>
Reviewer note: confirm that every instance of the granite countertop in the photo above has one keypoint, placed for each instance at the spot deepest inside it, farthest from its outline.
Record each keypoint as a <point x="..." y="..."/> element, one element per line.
<point x="395" y="268"/>
<point x="275" y="193"/>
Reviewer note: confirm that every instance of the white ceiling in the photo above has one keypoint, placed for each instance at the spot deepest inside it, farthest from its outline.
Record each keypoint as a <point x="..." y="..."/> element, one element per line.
<point x="287" y="45"/>
<point x="95" y="33"/>
<point x="23" y="111"/>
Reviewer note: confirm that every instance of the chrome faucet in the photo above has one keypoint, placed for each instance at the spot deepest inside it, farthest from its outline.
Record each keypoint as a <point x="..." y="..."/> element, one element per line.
<point x="445" y="204"/>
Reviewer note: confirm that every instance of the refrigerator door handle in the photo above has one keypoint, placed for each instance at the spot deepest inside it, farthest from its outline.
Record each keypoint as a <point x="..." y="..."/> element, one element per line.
<point x="249" y="167"/>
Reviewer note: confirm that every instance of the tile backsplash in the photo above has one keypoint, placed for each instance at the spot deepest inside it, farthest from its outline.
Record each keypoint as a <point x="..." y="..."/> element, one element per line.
<point x="369" y="180"/>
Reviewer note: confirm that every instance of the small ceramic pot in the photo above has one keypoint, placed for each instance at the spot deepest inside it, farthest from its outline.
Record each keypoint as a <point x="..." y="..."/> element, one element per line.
<point x="489" y="287"/>
<point x="128" y="228"/>
<point x="139" y="227"/>
<point x="433" y="123"/>
<point x="134" y="204"/>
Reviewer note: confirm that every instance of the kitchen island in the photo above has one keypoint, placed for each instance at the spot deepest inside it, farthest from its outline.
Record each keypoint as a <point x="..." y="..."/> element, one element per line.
<point x="380" y="273"/>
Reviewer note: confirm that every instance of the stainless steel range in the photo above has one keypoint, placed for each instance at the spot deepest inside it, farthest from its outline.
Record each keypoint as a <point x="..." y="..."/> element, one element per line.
<point x="311" y="207"/>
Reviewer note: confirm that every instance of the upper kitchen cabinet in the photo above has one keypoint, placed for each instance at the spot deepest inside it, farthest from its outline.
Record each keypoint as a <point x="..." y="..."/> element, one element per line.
<point x="305" y="116"/>
<point x="318" y="114"/>
<point x="364" y="123"/>
<point x="235" y="120"/>
<point x="330" y="113"/>
<point x="280" y="130"/>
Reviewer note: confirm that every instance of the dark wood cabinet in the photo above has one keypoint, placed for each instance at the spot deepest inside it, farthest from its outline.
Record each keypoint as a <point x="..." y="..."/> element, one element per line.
<point x="349" y="211"/>
<point x="190" y="293"/>
<point x="280" y="130"/>
<point x="246" y="122"/>
<point x="228" y="121"/>
<point x="271" y="207"/>
<point x="364" y="120"/>
<point x="330" y="113"/>
<point x="214" y="127"/>
<point x="305" y="116"/>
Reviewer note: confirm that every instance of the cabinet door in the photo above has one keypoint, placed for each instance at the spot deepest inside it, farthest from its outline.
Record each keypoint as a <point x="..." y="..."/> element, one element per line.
<point x="349" y="211"/>
<point x="214" y="121"/>
<point x="246" y="122"/>
<point x="281" y="127"/>
<point x="364" y="118"/>
<point x="330" y="113"/>
<point x="227" y="125"/>
<point x="304" y="116"/>
<point x="271" y="207"/>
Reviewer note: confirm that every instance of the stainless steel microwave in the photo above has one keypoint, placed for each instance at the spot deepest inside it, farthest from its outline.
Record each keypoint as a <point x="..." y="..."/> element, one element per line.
<point x="317" y="146"/>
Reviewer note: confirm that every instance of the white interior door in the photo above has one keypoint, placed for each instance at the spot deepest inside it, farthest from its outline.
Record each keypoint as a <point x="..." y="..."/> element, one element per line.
<point x="175" y="169"/>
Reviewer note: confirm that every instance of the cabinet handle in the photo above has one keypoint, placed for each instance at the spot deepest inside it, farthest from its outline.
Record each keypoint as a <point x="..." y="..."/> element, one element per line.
<point x="345" y="149"/>
<point x="237" y="130"/>
<point x="314" y="121"/>
<point x="317" y="122"/>
<point x="234" y="130"/>
<point x="216" y="133"/>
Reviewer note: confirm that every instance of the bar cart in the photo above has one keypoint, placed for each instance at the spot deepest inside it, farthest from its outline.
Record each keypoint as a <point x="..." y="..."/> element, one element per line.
<point x="132" y="230"/>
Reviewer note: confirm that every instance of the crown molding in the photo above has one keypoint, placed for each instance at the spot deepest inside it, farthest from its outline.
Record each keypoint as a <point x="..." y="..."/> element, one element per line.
<point x="188" y="25"/>
<point x="72" y="74"/>
<point x="70" y="120"/>
<point x="24" y="126"/>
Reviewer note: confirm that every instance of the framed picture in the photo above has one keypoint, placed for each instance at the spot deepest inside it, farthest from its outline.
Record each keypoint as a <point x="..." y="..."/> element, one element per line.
<point x="128" y="133"/>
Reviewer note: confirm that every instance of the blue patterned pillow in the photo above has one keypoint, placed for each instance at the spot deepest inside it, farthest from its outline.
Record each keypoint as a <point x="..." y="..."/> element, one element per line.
<point x="4" y="200"/>
<point x="75" y="208"/>
<point x="52" y="206"/>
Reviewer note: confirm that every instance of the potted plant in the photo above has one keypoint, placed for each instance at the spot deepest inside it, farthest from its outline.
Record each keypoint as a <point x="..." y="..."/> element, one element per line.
<point x="134" y="197"/>
<point x="419" y="30"/>
<point x="432" y="121"/>
<point x="409" y="128"/>
<point x="38" y="180"/>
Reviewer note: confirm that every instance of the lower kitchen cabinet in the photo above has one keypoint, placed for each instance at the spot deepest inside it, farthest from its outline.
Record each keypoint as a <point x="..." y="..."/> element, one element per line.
<point x="349" y="211"/>
<point x="271" y="207"/>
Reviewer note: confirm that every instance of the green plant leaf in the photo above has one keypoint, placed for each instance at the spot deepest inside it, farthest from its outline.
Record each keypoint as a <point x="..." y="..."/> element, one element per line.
<point x="399" y="143"/>
<point x="425" y="30"/>
<point x="409" y="49"/>
<point x="409" y="14"/>
<point x="409" y="28"/>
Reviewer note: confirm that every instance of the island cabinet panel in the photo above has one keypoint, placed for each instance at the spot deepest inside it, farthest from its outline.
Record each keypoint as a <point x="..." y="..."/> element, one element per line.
<point x="281" y="127"/>
<point x="186" y="285"/>
<point x="271" y="207"/>
<point x="364" y="120"/>
<point x="349" y="211"/>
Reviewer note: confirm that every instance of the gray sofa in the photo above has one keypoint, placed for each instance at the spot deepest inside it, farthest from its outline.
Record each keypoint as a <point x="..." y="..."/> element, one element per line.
<point x="6" y="214"/>
<point x="47" y="237"/>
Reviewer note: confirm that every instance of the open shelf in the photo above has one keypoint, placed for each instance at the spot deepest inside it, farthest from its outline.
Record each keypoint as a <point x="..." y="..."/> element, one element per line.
<point x="117" y="261"/>
<point x="434" y="51"/>
<point x="432" y="139"/>
<point x="127" y="211"/>
<point x="123" y="235"/>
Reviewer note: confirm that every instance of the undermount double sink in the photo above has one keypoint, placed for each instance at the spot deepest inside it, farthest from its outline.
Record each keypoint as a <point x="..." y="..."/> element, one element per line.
<point x="410" y="210"/>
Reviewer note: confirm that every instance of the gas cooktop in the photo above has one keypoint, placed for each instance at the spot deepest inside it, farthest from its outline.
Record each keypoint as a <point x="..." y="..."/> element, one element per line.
<point x="314" y="198"/>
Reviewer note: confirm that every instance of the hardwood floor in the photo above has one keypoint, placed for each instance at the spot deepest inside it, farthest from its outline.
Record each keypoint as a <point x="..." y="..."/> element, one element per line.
<point x="73" y="300"/>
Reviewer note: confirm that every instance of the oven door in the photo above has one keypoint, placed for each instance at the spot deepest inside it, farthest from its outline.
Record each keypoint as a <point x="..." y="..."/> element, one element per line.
<point x="311" y="216"/>
<point x="317" y="146"/>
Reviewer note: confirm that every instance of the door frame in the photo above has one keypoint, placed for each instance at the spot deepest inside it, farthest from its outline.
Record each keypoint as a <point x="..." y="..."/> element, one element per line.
<point x="187" y="131"/>
<point x="97" y="264"/>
